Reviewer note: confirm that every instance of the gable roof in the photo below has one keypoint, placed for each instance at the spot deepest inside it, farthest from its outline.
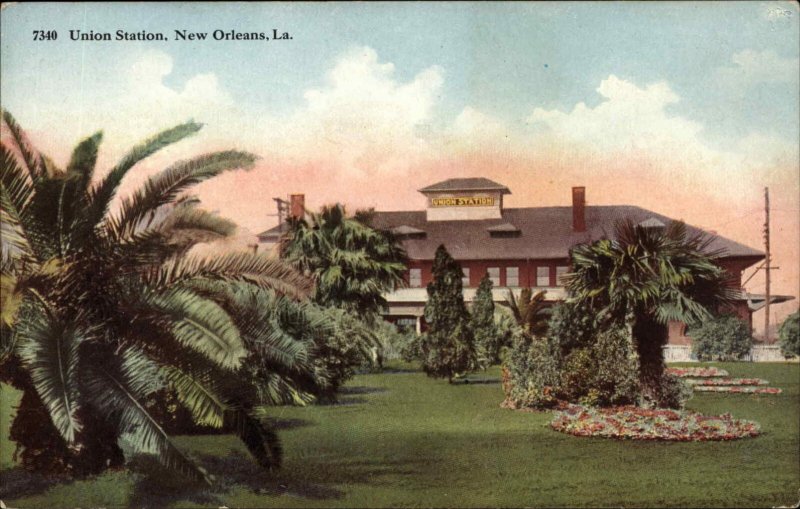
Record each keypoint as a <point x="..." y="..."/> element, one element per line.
<point x="545" y="233"/>
<point x="273" y="234"/>
<point x="465" y="184"/>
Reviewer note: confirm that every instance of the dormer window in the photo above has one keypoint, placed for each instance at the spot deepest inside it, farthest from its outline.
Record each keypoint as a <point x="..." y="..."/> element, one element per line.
<point x="652" y="224"/>
<point x="503" y="230"/>
<point x="404" y="232"/>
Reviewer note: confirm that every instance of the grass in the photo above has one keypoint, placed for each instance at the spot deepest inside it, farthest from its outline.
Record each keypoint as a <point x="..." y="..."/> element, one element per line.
<point x="401" y="439"/>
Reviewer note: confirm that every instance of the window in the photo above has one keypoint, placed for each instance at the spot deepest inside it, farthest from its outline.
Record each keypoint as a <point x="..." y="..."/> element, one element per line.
<point x="465" y="277"/>
<point x="415" y="278"/>
<point x="512" y="276"/>
<point x="542" y="276"/>
<point x="560" y="271"/>
<point x="406" y="324"/>
<point x="494" y="275"/>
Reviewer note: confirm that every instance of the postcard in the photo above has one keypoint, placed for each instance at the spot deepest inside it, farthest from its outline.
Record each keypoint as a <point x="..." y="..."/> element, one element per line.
<point x="385" y="254"/>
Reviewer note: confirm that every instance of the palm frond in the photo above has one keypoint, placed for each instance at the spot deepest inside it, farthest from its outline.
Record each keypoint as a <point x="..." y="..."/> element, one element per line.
<point x="261" y="440"/>
<point x="166" y="185"/>
<point x="196" y="389"/>
<point x="30" y="156"/>
<point x="16" y="186"/>
<point x="276" y="389"/>
<point x="118" y="387"/>
<point x="83" y="159"/>
<point x="257" y="269"/>
<point x="16" y="193"/>
<point x="48" y="348"/>
<point x="15" y="242"/>
<point x="101" y="195"/>
<point x="202" y="325"/>
<point x="189" y="217"/>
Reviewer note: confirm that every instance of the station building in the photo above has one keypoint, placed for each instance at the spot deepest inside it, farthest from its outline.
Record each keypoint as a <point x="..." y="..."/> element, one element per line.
<point x="517" y="247"/>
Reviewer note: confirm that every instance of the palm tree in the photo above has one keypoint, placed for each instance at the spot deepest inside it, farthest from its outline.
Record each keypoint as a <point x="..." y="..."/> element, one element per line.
<point x="353" y="264"/>
<point x="646" y="277"/>
<point x="103" y="309"/>
<point x="530" y="311"/>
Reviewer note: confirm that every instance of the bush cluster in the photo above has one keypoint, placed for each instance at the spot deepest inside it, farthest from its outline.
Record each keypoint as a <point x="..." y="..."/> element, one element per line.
<point x="673" y="392"/>
<point x="576" y="361"/>
<point x="397" y="343"/>
<point x="531" y="374"/>
<point x="721" y="338"/>
<point x="789" y="335"/>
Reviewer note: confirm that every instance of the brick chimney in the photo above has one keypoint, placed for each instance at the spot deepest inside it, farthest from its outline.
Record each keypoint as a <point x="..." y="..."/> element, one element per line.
<point x="297" y="206"/>
<point x="579" y="209"/>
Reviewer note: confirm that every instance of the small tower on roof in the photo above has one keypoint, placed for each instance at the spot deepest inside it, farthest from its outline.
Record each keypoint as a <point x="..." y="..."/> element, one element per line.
<point x="464" y="199"/>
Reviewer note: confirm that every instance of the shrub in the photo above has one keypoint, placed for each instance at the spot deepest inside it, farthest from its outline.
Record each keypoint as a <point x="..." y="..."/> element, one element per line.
<point x="722" y="338"/>
<point x="341" y="350"/>
<point x="487" y="341"/>
<point x="396" y="342"/>
<point x="604" y="374"/>
<point x="507" y="330"/>
<point x="572" y="326"/>
<point x="448" y="348"/>
<point x="531" y="375"/>
<point x="789" y="335"/>
<point x="672" y="392"/>
<point x="616" y="379"/>
<point x="601" y="374"/>
<point x="577" y="375"/>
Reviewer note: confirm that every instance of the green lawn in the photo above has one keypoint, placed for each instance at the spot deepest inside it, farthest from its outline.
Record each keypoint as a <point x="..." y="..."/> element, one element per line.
<point x="401" y="439"/>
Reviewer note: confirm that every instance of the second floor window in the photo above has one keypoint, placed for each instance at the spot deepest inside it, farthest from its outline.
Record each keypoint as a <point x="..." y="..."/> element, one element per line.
<point x="512" y="276"/>
<point x="415" y="278"/>
<point x="560" y="271"/>
<point x="542" y="276"/>
<point x="494" y="275"/>
<point x="465" y="277"/>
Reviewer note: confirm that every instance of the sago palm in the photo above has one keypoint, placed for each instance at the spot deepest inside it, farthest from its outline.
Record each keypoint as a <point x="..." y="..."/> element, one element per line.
<point x="530" y="310"/>
<point x="102" y="309"/>
<point x="646" y="277"/>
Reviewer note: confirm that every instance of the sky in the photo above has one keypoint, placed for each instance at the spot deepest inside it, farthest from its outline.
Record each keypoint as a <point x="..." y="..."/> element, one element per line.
<point x="689" y="109"/>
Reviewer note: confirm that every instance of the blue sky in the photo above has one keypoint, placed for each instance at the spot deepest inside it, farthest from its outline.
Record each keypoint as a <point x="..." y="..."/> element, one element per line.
<point x="498" y="58"/>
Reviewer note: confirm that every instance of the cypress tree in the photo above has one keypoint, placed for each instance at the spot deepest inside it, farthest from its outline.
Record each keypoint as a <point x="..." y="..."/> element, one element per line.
<point x="486" y="335"/>
<point x="448" y="348"/>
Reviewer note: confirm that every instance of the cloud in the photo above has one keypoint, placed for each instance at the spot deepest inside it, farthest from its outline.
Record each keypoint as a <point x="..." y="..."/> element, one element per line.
<point x="362" y="119"/>
<point x="751" y="67"/>
<point x="630" y="118"/>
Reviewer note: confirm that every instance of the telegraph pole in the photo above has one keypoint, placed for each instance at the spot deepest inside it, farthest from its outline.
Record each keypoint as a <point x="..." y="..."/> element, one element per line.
<point x="767" y="267"/>
<point x="283" y="211"/>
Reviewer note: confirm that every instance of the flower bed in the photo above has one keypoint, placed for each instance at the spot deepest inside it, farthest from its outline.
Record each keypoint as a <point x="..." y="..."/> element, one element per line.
<point x="748" y="389"/>
<point x="697" y="372"/>
<point x="726" y="381"/>
<point x="634" y="423"/>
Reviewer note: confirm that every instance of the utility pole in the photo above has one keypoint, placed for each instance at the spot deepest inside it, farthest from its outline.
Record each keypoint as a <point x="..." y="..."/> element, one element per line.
<point x="283" y="211"/>
<point x="767" y="267"/>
